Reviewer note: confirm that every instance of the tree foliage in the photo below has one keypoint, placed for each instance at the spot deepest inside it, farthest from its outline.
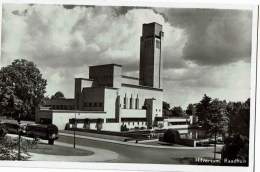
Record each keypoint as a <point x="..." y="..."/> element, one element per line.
<point x="171" y="136"/>
<point x="22" y="89"/>
<point x="241" y="111"/>
<point x="212" y="115"/>
<point x="177" y="112"/>
<point x="166" y="105"/>
<point x="9" y="148"/>
<point x="191" y="109"/>
<point x="58" y="95"/>
<point x="166" y="109"/>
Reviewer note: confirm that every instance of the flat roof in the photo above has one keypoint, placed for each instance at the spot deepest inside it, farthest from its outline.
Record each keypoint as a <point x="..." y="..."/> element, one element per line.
<point x="142" y="87"/>
<point x="152" y="23"/>
<point x="87" y="79"/>
<point x="100" y="87"/>
<point x="112" y="64"/>
<point x="73" y="111"/>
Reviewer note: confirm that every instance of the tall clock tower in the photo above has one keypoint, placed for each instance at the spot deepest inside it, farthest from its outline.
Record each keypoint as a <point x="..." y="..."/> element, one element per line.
<point x="151" y="61"/>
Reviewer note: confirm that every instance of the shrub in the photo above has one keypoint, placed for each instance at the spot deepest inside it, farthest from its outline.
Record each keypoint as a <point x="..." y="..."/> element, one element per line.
<point x="160" y="125"/>
<point x="236" y="147"/>
<point x="124" y="128"/>
<point x="171" y="136"/>
<point x="3" y="130"/>
<point x="9" y="148"/>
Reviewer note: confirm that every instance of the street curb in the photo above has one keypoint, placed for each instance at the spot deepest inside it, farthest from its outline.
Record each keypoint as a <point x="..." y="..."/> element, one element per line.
<point x="133" y="144"/>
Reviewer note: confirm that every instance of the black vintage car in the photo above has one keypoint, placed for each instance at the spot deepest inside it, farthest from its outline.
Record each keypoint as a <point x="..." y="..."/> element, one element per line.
<point x="15" y="128"/>
<point x="45" y="132"/>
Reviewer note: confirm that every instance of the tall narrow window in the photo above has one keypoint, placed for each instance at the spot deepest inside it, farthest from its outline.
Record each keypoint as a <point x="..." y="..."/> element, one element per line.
<point x="158" y="44"/>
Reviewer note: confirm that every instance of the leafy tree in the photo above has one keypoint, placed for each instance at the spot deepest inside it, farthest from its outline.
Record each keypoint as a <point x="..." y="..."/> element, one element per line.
<point x="237" y="142"/>
<point x="236" y="147"/>
<point x="241" y="111"/>
<point x="22" y="89"/>
<point x="166" y="105"/>
<point x="166" y="109"/>
<point x="213" y="116"/>
<point x="171" y="136"/>
<point x="202" y="110"/>
<point x="58" y="95"/>
<point x="177" y="111"/>
<point x="191" y="109"/>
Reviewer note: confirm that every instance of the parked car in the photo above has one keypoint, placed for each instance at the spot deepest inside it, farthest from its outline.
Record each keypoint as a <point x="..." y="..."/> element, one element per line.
<point x="45" y="132"/>
<point x="15" y="128"/>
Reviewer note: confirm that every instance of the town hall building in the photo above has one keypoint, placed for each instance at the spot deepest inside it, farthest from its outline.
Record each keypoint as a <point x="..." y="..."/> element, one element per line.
<point x="109" y="100"/>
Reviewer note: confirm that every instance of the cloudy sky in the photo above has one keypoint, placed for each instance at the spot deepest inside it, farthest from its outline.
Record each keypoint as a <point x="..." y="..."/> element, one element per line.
<point x="206" y="51"/>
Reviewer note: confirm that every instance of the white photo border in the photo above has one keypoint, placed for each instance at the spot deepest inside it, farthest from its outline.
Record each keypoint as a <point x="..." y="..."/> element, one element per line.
<point x="158" y="167"/>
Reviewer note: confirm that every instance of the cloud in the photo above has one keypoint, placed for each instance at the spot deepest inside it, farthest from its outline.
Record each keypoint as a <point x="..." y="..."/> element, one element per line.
<point x="215" y="36"/>
<point x="230" y="82"/>
<point x="199" y="47"/>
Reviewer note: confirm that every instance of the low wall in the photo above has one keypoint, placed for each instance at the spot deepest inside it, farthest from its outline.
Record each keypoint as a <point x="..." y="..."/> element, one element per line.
<point x="114" y="133"/>
<point x="185" y="142"/>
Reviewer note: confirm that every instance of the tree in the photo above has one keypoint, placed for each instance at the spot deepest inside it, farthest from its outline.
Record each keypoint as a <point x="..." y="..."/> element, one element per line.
<point x="171" y="136"/>
<point x="241" y="111"/>
<point x="166" y="109"/>
<point x="237" y="142"/>
<point x="213" y="116"/>
<point x="166" y="105"/>
<point x="202" y="110"/>
<point x="177" y="111"/>
<point x="191" y="109"/>
<point x="22" y="89"/>
<point x="58" y="95"/>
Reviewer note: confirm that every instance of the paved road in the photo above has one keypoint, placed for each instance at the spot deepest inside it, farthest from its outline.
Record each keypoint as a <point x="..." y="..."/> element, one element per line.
<point x="100" y="155"/>
<point x="133" y="154"/>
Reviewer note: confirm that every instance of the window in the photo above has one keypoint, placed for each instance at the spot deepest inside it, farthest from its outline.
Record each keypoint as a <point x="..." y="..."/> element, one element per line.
<point x="100" y="104"/>
<point x="158" y="45"/>
<point x="95" y="104"/>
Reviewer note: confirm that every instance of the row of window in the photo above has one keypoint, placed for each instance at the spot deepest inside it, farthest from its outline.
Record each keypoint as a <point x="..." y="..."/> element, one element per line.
<point x="93" y="104"/>
<point x="150" y="43"/>
<point x="61" y="107"/>
<point x="133" y="119"/>
<point x="179" y="123"/>
<point x="138" y="123"/>
<point x="102" y="77"/>
<point x="85" y="121"/>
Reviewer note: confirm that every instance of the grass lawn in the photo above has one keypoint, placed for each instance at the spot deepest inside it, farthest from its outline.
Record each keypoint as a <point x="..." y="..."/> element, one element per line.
<point x="46" y="149"/>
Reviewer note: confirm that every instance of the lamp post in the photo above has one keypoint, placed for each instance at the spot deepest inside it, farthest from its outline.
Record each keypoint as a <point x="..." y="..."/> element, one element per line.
<point x="74" y="131"/>
<point x="75" y="123"/>
<point x="19" y="137"/>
